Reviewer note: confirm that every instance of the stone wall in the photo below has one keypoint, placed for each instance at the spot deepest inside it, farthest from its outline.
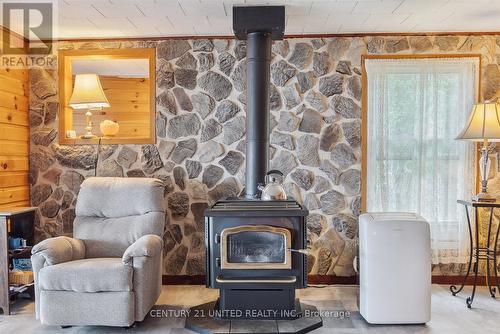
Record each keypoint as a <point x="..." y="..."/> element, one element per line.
<point x="200" y="125"/>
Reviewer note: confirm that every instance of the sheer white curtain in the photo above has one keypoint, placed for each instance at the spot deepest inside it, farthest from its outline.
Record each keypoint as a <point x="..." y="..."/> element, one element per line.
<point x="416" y="107"/>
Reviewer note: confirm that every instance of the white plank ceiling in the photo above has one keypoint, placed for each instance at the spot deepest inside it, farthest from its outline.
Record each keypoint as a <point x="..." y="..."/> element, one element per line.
<point x="156" y="18"/>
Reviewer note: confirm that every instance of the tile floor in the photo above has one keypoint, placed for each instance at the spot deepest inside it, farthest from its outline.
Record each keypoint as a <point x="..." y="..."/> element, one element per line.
<point x="449" y="314"/>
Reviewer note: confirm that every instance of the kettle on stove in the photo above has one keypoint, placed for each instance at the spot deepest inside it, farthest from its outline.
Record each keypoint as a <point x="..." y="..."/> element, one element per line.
<point x="273" y="189"/>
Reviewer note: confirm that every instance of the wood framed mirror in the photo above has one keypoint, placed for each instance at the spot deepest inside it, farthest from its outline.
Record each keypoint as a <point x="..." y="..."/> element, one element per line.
<point x="126" y="78"/>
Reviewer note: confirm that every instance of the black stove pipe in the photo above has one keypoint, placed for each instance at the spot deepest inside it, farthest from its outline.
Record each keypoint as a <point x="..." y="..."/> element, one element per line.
<point x="257" y="120"/>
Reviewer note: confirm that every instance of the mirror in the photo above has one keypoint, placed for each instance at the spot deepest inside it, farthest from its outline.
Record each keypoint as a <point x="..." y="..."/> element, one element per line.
<point x="107" y="95"/>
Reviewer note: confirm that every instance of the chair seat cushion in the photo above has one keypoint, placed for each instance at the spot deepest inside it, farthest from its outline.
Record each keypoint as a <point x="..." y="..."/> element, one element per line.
<point x="87" y="275"/>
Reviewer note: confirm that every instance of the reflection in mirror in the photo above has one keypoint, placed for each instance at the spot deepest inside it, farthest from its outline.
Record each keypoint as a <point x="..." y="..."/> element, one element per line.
<point x="108" y="96"/>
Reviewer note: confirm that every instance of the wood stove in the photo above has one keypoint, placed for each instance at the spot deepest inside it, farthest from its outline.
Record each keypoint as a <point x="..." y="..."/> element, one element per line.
<point x="255" y="254"/>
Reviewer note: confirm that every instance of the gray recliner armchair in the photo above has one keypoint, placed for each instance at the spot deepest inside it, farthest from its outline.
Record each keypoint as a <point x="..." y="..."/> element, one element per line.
<point x="109" y="274"/>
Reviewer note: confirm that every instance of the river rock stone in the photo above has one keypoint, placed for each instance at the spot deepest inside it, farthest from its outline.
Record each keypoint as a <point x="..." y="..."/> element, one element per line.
<point x="204" y="45"/>
<point x="72" y="180"/>
<point x="174" y="263"/>
<point x="186" y="78"/>
<point x="396" y="44"/>
<point x="39" y="193"/>
<point x="135" y="173"/>
<point x="332" y="202"/>
<point x="150" y="159"/>
<point x="345" y="224"/>
<point x="375" y="44"/>
<point x="420" y="43"/>
<point x="354" y="87"/>
<point x="53" y="175"/>
<point x="312" y="122"/>
<point x="330" y="170"/>
<point x="303" y="178"/>
<point x="51" y="109"/>
<point x="210" y="150"/>
<point x="232" y="161"/>
<point x="193" y="168"/>
<point x="78" y="156"/>
<point x="183" y="125"/>
<point x="274" y="98"/>
<point x="356" y="206"/>
<point x="284" y="161"/>
<point x="234" y="130"/>
<point x="446" y="43"/>
<point x="240" y="50"/>
<point x="306" y="81"/>
<point x="206" y="61"/>
<point x="126" y="157"/>
<point x="178" y="203"/>
<point x="301" y="55"/>
<point x="321" y="63"/>
<point x="316" y="223"/>
<point x="165" y="148"/>
<point x="166" y="102"/>
<point x="281" y="47"/>
<point x="316" y="100"/>
<point x="281" y="72"/>
<point x="43" y="137"/>
<point x="226" y="110"/>
<point x="352" y="133"/>
<point x="343" y="155"/>
<point x="345" y="107"/>
<point x="282" y="139"/>
<point x="183" y="99"/>
<point x="292" y="96"/>
<point x="226" y="62"/>
<point x="239" y="76"/>
<point x="338" y="46"/>
<point x="211" y="129"/>
<point x="195" y="264"/>
<point x="216" y="85"/>
<point x="165" y="76"/>
<point x="109" y="168"/>
<point x="344" y="67"/>
<point x="198" y="210"/>
<point x="331" y="135"/>
<point x="351" y="181"/>
<point x="49" y="208"/>
<point x="184" y="149"/>
<point x="318" y="43"/>
<point x="288" y="121"/>
<point x="173" y="48"/>
<point x="307" y="150"/>
<point x="187" y="61"/>
<point x="66" y="200"/>
<point x="211" y="175"/>
<point x="227" y="188"/>
<point x="331" y="85"/>
<point x="203" y="104"/>
<point x="321" y="184"/>
<point x="161" y="125"/>
<point x="292" y="191"/>
<point x="324" y="260"/>
<point x="311" y="202"/>
<point x="180" y="177"/>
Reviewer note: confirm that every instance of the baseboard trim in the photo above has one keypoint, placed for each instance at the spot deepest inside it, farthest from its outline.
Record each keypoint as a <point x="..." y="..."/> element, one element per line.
<point x="324" y="279"/>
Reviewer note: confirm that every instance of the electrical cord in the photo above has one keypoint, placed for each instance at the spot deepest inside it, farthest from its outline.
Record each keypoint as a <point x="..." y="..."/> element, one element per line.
<point x="97" y="156"/>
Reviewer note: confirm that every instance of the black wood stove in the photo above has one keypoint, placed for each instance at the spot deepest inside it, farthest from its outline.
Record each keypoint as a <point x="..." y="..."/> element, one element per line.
<point x="255" y="255"/>
<point x="255" y="248"/>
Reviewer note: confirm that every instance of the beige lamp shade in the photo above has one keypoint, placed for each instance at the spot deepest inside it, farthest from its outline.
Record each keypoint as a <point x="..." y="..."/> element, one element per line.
<point x="88" y="93"/>
<point x="483" y="123"/>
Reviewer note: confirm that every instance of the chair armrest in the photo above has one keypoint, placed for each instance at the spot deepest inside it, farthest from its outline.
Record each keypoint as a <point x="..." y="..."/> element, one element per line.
<point x="59" y="249"/>
<point x="148" y="245"/>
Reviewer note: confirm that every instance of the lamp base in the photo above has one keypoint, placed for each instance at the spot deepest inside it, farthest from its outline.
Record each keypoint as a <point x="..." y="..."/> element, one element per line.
<point x="483" y="197"/>
<point x="88" y="136"/>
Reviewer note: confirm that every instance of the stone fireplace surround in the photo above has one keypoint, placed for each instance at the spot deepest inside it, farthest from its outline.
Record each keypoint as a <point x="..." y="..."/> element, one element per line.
<point x="200" y="125"/>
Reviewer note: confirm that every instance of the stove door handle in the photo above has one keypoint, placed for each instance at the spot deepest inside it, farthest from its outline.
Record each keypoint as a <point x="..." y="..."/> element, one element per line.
<point x="284" y="280"/>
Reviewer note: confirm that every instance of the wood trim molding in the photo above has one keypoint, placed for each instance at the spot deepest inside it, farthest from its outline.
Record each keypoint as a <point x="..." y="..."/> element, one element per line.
<point x="364" y="104"/>
<point x="324" y="280"/>
<point x="288" y="36"/>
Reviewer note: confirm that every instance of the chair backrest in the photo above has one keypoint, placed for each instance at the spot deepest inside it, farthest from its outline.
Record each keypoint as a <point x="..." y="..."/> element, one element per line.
<point x="112" y="213"/>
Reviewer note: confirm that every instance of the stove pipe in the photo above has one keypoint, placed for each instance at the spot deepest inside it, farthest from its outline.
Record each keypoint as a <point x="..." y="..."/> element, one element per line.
<point x="259" y="26"/>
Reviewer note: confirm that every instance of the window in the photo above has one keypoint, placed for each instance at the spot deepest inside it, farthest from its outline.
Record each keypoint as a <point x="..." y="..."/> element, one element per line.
<point x="415" y="109"/>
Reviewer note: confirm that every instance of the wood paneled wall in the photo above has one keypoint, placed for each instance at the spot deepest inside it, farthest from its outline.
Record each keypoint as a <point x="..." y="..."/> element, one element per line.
<point x="14" y="138"/>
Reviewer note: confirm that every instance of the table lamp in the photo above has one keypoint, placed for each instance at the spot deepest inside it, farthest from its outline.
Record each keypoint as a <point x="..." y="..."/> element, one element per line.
<point x="483" y="125"/>
<point x="88" y="94"/>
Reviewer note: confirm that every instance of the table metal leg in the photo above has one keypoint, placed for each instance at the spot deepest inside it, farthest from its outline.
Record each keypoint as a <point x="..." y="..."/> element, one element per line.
<point x="491" y="289"/>
<point x="495" y="256"/>
<point x="470" y="299"/>
<point x="453" y="288"/>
